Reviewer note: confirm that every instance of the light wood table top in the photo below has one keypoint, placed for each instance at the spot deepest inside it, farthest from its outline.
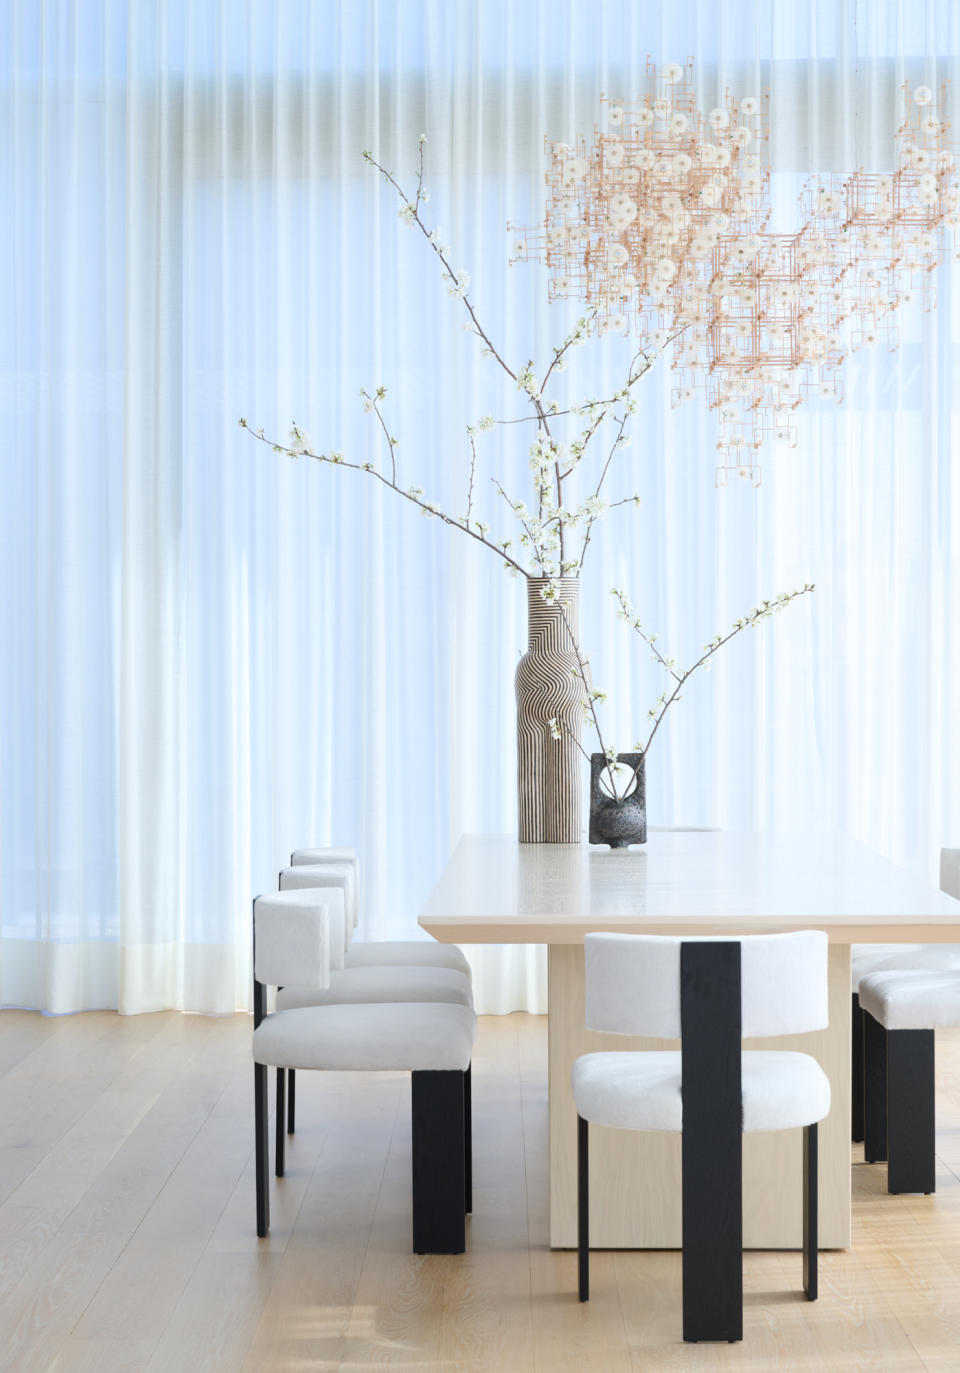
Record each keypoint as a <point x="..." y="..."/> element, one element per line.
<point x="495" y="890"/>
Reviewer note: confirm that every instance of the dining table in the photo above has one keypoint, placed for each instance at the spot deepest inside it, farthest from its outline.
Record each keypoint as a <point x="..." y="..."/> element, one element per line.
<point x="496" y="890"/>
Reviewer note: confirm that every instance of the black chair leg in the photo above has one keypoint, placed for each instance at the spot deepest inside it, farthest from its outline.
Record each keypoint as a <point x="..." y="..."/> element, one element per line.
<point x="810" y="1189"/>
<point x="262" y="1149"/>
<point x="583" y="1209"/>
<point x="468" y="1140"/>
<point x="911" y="1112"/>
<point x="291" y="1100"/>
<point x="280" y="1117"/>
<point x="439" y="1225"/>
<point x="856" y="1063"/>
<point x="874" y="1090"/>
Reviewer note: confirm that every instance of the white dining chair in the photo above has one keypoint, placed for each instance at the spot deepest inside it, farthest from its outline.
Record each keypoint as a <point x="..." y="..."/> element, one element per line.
<point x="709" y="994"/>
<point x="866" y="959"/>
<point x="362" y="981"/>
<point x="902" y="1010"/>
<point x="382" y="953"/>
<point x="432" y="1041"/>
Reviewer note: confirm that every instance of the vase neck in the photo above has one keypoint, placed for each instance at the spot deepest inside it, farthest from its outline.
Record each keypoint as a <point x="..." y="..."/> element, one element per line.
<point x="550" y="624"/>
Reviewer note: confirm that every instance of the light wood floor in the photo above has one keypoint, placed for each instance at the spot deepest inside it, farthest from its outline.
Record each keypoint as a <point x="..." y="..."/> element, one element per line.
<point x="126" y="1228"/>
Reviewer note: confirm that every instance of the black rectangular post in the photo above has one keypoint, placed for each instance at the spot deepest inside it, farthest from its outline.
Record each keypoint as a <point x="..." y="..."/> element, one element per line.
<point x="874" y="1090"/>
<point x="911" y="1112"/>
<point x="262" y="1147"/>
<point x="810" y="1191"/>
<point x="856" y="1074"/>
<point x="291" y="1100"/>
<point x="583" y="1209"/>
<point x="280" y="1121"/>
<point x="439" y="1225"/>
<point x="468" y="1140"/>
<point x="261" y="1129"/>
<point x="712" y="1140"/>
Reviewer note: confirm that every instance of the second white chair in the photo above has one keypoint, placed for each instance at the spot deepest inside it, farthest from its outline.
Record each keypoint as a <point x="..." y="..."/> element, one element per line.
<point x="709" y="993"/>
<point x="867" y="959"/>
<point x="379" y="979"/>
<point x="433" y="1042"/>
<point x="901" y="1012"/>
<point x="382" y="953"/>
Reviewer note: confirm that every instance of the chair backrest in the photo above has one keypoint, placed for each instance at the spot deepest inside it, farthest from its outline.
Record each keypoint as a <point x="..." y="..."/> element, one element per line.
<point x="950" y="872"/>
<point x="291" y="939"/>
<point x="633" y="983"/>
<point x="342" y="859"/>
<point x="327" y="855"/>
<point x="339" y="883"/>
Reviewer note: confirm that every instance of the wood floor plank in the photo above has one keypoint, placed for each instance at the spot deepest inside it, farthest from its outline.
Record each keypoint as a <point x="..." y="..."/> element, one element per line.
<point x="102" y="1356"/>
<point x="39" y="1314"/>
<point x="24" y="1234"/>
<point x="81" y="1155"/>
<point x="23" y="1033"/>
<point x="336" y="1169"/>
<point x="487" y="1320"/>
<point x="215" y="1319"/>
<point x="398" y="1299"/>
<point x="150" y="1276"/>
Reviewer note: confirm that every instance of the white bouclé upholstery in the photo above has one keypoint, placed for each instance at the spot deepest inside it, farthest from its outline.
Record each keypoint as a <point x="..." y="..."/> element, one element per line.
<point x="407" y="953"/>
<point x="334" y="898"/>
<point x="292" y="939"/>
<point x="327" y="855"/>
<point x="371" y="985"/>
<point x="950" y="872"/>
<point x="343" y="859"/>
<point x="866" y="959"/>
<point x="641" y="1091"/>
<point x="338" y="875"/>
<point x="921" y="999"/>
<point x="633" y="984"/>
<point x="402" y="953"/>
<point x="380" y="953"/>
<point x="378" y="1038"/>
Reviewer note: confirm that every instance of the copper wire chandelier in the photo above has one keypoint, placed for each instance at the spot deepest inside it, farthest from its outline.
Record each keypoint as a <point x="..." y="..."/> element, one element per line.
<point x="661" y="226"/>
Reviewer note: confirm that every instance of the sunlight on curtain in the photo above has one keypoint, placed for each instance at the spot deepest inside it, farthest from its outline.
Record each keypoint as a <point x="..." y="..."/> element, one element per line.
<point x="215" y="655"/>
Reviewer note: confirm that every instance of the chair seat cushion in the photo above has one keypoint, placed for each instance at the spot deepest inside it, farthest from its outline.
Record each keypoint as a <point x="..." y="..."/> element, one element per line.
<point x="641" y="1091"/>
<point x="387" y="1036"/>
<point x="922" y="999"/>
<point x="879" y="958"/>
<point x="363" y="985"/>
<point x="406" y="953"/>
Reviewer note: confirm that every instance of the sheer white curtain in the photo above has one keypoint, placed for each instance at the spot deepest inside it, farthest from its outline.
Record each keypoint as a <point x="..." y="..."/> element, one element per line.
<point x="213" y="654"/>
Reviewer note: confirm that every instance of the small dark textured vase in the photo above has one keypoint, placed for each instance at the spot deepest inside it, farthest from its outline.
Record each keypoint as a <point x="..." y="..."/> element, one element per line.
<point x="618" y="823"/>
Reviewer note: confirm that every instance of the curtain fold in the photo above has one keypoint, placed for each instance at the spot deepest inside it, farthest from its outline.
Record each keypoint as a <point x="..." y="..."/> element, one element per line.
<point x="215" y="654"/>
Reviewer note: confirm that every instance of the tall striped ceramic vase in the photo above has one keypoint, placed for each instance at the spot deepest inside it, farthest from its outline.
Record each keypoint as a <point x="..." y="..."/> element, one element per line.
<point x="549" y="771"/>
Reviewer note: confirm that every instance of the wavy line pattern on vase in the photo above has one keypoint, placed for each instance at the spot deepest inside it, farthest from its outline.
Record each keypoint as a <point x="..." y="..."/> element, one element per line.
<point x="549" y="770"/>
